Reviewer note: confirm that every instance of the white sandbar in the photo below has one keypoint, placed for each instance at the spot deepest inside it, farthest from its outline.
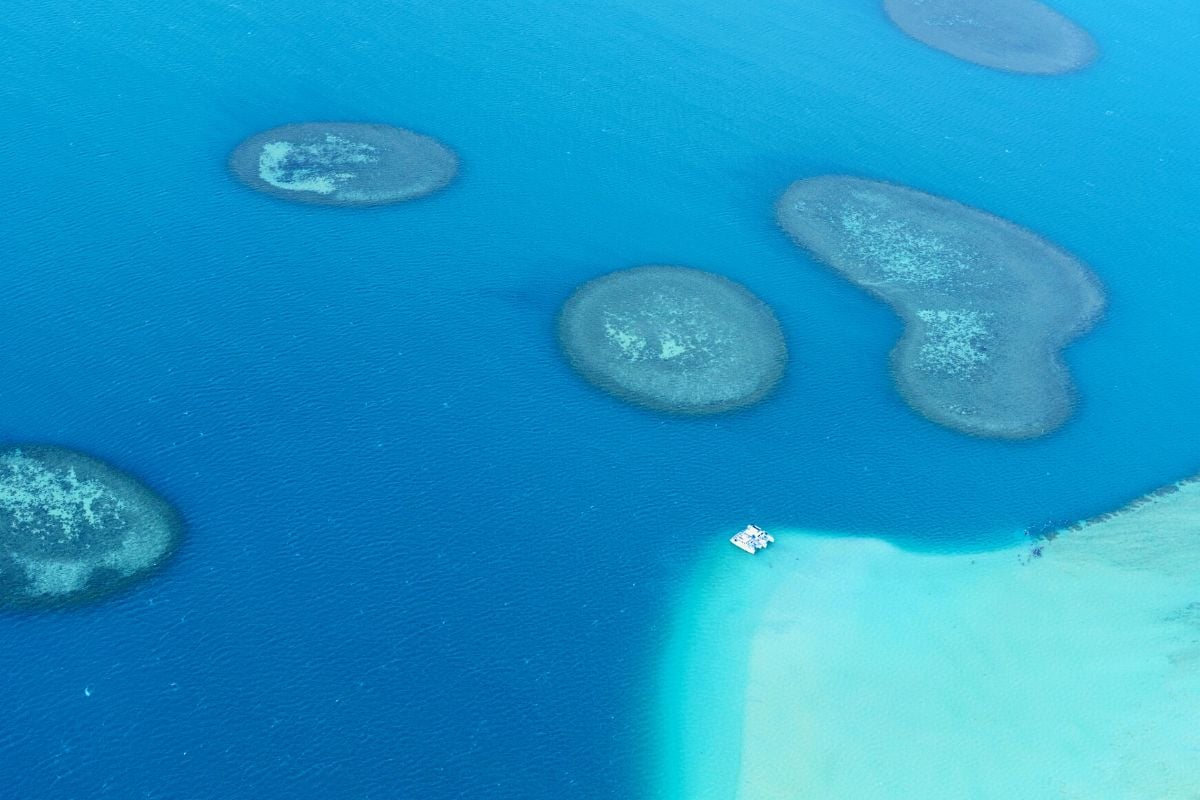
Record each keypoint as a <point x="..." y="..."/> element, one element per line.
<point x="832" y="667"/>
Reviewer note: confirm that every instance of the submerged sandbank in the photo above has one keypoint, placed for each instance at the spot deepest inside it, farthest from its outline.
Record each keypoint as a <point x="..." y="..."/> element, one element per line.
<point x="1012" y="35"/>
<point x="987" y="305"/>
<point x="839" y="667"/>
<point x="343" y="163"/>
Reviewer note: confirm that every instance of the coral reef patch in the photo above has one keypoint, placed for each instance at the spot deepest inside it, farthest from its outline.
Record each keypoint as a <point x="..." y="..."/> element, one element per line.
<point x="343" y="163"/>
<point x="74" y="529"/>
<point x="987" y="305"/>
<point x="1012" y="35"/>
<point x="673" y="339"/>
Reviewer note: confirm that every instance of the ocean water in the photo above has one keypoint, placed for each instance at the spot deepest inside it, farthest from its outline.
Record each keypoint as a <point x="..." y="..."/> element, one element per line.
<point x="424" y="559"/>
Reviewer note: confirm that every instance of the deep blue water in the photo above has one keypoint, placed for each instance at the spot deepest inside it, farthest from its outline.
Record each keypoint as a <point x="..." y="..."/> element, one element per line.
<point x="424" y="559"/>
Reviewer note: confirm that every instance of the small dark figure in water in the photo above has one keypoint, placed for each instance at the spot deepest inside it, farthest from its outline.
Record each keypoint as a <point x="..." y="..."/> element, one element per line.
<point x="1046" y="531"/>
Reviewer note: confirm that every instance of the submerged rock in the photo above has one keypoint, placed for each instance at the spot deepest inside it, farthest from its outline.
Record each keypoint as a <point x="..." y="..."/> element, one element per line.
<point x="343" y="163"/>
<point x="987" y="305"/>
<point x="673" y="339"/>
<point x="74" y="529"/>
<point x="1012" y="35"/>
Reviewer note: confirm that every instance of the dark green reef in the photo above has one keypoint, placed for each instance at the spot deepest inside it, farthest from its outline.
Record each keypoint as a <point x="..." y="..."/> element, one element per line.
<point x="74" y="529"/>
<point x="673" y="339"/>
<point x="1012" y="35"/>
<point x="343" y="163"/>
<point x="987" y="305"/>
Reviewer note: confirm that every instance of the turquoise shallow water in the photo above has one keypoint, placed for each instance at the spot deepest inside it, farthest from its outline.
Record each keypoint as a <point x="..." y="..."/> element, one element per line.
<point x="320" y="390"/>
<point x="845" y="667"/>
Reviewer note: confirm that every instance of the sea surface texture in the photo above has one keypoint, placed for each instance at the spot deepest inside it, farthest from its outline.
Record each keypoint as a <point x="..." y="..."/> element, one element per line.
<point x="423" y="558"/>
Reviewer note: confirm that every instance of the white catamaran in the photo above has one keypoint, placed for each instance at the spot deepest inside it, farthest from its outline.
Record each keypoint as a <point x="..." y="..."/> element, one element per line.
<point x="752" y="539"/>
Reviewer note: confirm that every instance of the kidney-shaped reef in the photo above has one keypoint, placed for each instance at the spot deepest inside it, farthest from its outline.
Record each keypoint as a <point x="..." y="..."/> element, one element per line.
<point x="1013" y="35"/>
<point x="987" y="305"/>
<point x="673" y="339"/>
<point x="74" y="529"/>
<point x="343" y="163"/>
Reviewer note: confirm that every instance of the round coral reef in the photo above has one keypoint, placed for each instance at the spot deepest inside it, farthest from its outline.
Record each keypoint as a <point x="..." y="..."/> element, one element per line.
<point x="74" y="529"/>
<point x="1012" y="35"/>
<point x="673" y="339"/>
<point x="343" y="163"/>
<point x="987" y="305"/>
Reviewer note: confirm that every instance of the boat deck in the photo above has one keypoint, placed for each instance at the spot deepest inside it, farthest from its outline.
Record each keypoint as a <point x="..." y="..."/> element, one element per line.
<point x="751" y="539"/>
